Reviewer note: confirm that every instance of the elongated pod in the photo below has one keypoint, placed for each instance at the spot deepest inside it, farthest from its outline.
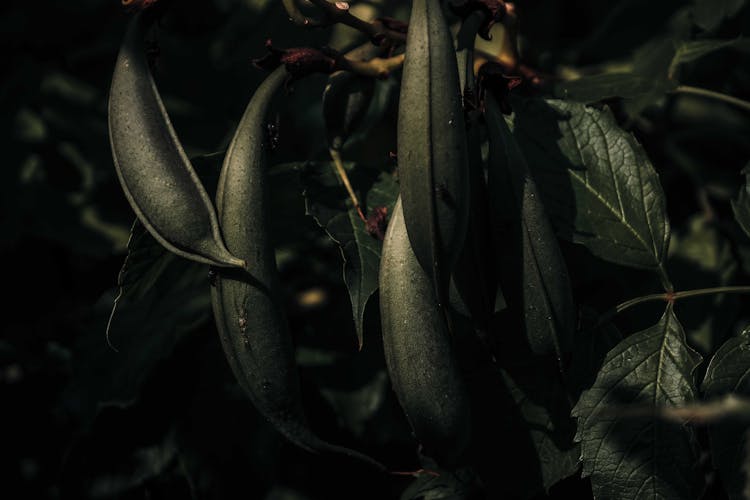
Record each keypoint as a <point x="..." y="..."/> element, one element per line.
<point x="540" y="286"/>
<point x="155" y="174"/>
<point x="247" y="308"/>
<point x="418" y="350"/>
<point x="432" y="145"/>
<point x="474" y="274"/>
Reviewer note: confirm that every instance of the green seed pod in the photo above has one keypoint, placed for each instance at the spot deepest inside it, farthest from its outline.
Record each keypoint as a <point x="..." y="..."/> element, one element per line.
<point x="156" y="175"/>
<point x="432" y="145"/>
<point x="419" y="351"/>
<point x="474" y="275"/>
<point x="247" y="308"/>
<point x="540" y="287"/>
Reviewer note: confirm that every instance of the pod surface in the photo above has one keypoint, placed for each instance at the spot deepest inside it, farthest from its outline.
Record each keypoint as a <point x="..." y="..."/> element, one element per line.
<point x="247" y="308"/>
<point x="541" y="285"/>
<point x="418" y="349"/>
<point x="432" y="158"/>
<point x="154" y="171"/>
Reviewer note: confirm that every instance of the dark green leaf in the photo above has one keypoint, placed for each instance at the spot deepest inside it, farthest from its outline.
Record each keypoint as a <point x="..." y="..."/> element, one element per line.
<point x="540" y="399"/>
<point x="741" y="205"/>
<point x="522" y="410"/>
<point x="625" y="455"/>
<point x="443" y="485"/>
<point x="695" y="49"/>
<point x="161" y="297"/>
<point x="729" y="372"/>
<point x="709" y="14"/>
<point x="595" y="88"/>
<point x="591" y="347"/>
<point x="326" y="202"/>
<point x="598" y="185"/>
<point x="701" y="257"/>
<point x="143" y="267"/>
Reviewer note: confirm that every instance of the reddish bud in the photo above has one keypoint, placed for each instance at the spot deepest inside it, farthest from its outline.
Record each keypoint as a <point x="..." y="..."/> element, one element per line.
<point x="377" y="222"/>
<point x="299" y="61"/>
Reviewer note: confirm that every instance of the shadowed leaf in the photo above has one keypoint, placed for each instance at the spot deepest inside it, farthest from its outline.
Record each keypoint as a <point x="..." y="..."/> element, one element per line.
<point x="729" y="373"/>
<point x="326" y="202"/>
<point x="598" y="185"/>
<point x="625" y="456"/>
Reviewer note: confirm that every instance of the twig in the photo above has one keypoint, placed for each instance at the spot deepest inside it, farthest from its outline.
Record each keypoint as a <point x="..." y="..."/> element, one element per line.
<point x="686" y="89"/>
<point x="339" y="165"/>
<point x="297" y="17"/>
<point x="338" y="13"/>
<point x="669" y="297"/>
<point x="376" y="67"/>
<point x="730" y="406"/>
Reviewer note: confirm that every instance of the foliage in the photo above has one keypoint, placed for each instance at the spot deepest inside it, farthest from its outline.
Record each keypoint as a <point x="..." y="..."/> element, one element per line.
<point x="627" y="128"/>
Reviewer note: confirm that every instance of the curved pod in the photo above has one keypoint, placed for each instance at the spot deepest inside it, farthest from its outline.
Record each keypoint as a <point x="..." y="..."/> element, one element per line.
<point x="247" y="308"/>
<point x="432" y="158"/>
<point x="540" y="283"/>
<point x="154" y="171"/>
<point x="418" y="350"/>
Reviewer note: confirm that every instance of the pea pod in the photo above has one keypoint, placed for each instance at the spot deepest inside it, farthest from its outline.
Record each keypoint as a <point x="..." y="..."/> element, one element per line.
<point x="540" y="287"/>
<point x="418" y="350"/>
<point x="247" y="308"/>
<point x="154" y="171"/>
<point x="432" y="154"/>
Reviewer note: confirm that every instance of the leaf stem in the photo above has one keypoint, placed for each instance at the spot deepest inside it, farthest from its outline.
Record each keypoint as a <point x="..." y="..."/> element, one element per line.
<point x="339" y="164"/>
<point x="740" y="103"/>
<point x="338" y="12"/>
<point x="297" y="17"/>
<point x="711" y="291"/>
<point x="668" y="297"/>
<point x="377" y="67"/>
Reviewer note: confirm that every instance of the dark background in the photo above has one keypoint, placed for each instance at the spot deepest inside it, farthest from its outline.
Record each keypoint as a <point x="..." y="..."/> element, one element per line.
<point x="162" y="417"/>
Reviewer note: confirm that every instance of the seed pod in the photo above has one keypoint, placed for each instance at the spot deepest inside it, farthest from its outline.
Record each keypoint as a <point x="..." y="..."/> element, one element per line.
<point x="539" y="284"/>
<point x="156" y="175"/>
<point x="474" y="274"/>
<point x="247" y="307"/>
<point x="419" y="351"/>
<point x="432" y="145"/>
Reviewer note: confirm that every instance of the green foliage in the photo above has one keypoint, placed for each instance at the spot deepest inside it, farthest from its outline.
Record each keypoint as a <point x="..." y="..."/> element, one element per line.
<point x="625" y="454"/>
<point x="727" y="373"/>
<point x="624" y="144"/>
<point x="600" y="186"/>
<point x="326" y="203"/>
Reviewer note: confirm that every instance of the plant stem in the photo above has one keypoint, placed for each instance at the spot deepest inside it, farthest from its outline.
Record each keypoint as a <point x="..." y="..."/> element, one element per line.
<point x="338" y="12"/>
<point x="377" y="67"/>
<point x="711" y="291"/>
<point x="669" y="297"/>
<point x="339" y="164"/>
<point x="686" y="89"/>
<point x="297" y="17"/>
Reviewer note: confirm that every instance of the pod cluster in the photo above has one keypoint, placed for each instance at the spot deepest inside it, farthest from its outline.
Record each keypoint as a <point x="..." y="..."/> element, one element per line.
<point x="168" y="197"/>
<point x="439" y="252"/>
